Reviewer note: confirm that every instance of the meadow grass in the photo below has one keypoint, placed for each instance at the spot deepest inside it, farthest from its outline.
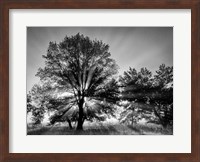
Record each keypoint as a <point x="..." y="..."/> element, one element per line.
<point x="101" y="129"/>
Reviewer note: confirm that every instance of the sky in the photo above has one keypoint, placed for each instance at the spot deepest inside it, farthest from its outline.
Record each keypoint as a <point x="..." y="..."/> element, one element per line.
<point x="134" y="47"/>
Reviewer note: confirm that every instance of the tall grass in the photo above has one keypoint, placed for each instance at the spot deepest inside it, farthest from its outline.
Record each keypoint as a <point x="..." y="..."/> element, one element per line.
<point x="102" y="129"/>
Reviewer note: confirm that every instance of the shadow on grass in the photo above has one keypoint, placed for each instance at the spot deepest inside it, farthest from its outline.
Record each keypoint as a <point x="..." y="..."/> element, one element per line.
<point x="153" y="129"/>
<point x="133" y="128"/>
<point x="64" y="130"/>
<point x="109" y="130"/>
<point x="100" y="129"/>
<point x="38" y="131"/>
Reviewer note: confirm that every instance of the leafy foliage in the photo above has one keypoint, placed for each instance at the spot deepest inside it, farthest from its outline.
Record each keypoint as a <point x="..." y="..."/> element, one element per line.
<point x="36" y="104"/>
<point x="83" y="68"/>
<point x="147" y="94"/>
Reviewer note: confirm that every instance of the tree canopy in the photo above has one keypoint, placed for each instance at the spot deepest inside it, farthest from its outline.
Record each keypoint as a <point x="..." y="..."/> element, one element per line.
<point x="147" y="94"/>
<point x="83" y="68"/>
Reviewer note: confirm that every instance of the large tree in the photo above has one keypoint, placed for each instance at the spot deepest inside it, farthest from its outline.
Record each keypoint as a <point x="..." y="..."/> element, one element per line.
<point x="83" y="68"/>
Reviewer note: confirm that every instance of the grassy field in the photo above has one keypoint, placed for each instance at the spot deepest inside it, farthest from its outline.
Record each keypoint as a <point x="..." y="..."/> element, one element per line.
<point x="104" y="128"/>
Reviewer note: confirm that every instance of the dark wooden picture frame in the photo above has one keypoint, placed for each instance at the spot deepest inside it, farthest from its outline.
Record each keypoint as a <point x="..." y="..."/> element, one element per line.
<point x="5" y="5"/>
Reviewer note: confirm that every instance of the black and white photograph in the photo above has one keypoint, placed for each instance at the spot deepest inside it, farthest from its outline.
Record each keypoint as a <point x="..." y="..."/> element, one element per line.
<point x="99" y="80"/>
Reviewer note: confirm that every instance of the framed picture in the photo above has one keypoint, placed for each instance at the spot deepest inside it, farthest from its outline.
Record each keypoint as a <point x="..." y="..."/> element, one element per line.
<point x="100" y="81"/>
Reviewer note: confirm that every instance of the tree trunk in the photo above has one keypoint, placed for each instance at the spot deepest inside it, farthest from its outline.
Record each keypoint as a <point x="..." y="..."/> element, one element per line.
<point x="132" y="121"/>
<point x="80" y="117"/>
<point x="161" y="119"/>
<point x="70" y="125"/>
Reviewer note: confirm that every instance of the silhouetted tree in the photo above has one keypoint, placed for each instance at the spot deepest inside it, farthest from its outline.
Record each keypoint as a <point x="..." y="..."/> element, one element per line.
<point x="146" y="94"/>
<point x="162" y="95"/>
<point x="135" y="86"/>
<point x="83" y="68"/>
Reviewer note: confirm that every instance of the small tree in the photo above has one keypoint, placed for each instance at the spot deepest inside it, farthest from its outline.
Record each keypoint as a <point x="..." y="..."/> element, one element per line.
<point x="147" y="94"/>
<point x="162" y="95"/>
<point x="135" y="86"/>
<point x="35" y="104"/>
